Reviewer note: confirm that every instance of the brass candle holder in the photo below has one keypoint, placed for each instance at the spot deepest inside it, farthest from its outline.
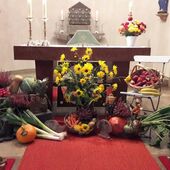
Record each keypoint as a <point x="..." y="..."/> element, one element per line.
<point x="30" y="41"/>
<point x="45" y="41"/>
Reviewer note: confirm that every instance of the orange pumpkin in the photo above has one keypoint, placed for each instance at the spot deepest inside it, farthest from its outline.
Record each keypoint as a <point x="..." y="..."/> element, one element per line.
<point x="26" y="133"/>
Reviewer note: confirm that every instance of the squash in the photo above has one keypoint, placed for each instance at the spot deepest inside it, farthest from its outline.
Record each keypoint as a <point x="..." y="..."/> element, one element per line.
<point x="26" y="133"/>
<point x="27" y="85"/>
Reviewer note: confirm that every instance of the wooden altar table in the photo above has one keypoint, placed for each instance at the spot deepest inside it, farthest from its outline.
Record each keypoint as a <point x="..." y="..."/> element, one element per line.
<point x="44" y="57"/>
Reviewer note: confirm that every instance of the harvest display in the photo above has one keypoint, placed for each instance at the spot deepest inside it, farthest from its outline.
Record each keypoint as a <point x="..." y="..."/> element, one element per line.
<point x="120" y="118"/>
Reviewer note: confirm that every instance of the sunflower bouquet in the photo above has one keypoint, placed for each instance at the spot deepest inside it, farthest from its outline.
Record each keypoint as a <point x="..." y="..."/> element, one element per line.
<point x="83" y="78"/>
<point x="84" y="81"/>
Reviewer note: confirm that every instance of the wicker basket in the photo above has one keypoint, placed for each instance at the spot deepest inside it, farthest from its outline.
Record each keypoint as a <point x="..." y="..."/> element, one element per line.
<point x="144" y="77"/>
<point x="77" y="126"/>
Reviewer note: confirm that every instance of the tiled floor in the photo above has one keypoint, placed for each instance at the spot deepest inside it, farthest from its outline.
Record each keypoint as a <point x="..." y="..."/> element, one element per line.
<point x="16" y="150"/>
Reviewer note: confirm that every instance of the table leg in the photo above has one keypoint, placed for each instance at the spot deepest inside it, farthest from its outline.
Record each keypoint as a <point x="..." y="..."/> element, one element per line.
<point x="45" y="69"/>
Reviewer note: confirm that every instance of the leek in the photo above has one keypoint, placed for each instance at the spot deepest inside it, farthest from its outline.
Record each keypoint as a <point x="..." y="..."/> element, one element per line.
<point x="27" y="117"/>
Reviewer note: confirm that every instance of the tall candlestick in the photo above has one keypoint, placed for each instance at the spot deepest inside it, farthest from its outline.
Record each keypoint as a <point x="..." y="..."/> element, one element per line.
<point x="130" y="5"/>
<point x="29" y="8"/>
<point x="62" y="15"/>
<point x="97" y="16"/>
<point x="44" y="4"/>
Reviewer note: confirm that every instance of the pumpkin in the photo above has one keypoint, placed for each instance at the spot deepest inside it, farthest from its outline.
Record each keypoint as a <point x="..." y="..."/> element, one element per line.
<point x="26" y="133"/>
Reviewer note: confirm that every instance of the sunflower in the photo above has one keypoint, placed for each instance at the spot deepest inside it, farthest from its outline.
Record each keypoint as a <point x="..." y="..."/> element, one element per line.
<point x="65" y="64"/>
<point x="62" y="57"/>
<point x="73" y="49"/>
<point x="64" y="70"/>
<point x="79" y="92"/>
<point x="115" y="86"/>
<point x="87" y="69"/>
<point x="115" y="69"/>
<point x="85" y="57"/>
<point x="82" y="81"/>
<point x="100" y="74"/>
<point x="111" y="74"/>
<point x="101" y="62"/>
<point x="89" y="51"/>
<point x="101" y="88"/>
<point x="57" y="80"/>
<point x="77" y="69"/>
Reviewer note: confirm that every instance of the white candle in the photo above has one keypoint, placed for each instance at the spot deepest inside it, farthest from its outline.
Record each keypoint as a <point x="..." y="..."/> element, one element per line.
<point x="62" y="15"/>
<point x="130" y="5"/>
<point x="97" y="16"/>
<point x="29" y="8"/>
<point x="44" y="4"/>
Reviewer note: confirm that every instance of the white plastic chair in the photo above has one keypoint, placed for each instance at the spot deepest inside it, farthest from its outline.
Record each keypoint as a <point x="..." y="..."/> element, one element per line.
<point x="149" y="59"/>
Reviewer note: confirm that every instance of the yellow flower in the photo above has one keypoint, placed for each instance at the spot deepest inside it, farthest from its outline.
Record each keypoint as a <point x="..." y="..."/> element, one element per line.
<point x="57" y="80"/>
<point x="89" y="51"/>
<point x="77" y="69"/>
<point x="115" y="86"/>
<point x="82" y="81"/>
<point x="85" y="57"/>
<point x="64" y="70"/>
<point x="66" y="64"/>
<point x="101" y="62"/>
<point x="55" y="71"/>
<point x="106" y="69"/>
<point x="96" y="91"/>
<point x="101" y="88"/>
<point x="127" y="79"/>
<point x="58" y="74"/>
<point x="73" y="49"/>
<point x="79" y="92"/>
<point x="111" y="74"/>
<point x="62" y="57"/>
<point x="100" y="74"/>
<point x="87" y="69"/>
<point x="115" y="69"/>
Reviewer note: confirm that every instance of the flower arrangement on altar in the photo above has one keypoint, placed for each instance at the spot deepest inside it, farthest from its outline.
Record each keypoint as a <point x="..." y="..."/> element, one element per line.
<point x="83" y="79"/>
<point x="132" y="27"/>
<point x="85" y="84"/>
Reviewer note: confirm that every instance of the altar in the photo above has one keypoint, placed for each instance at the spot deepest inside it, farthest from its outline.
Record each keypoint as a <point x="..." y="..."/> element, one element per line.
<point x="44" y="58"/>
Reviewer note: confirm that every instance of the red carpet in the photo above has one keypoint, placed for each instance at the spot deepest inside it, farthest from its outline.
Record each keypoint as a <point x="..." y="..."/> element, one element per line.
<point x="9" y="164"/>
<point x="165" y="161"/>
<point x="89" y="153"/>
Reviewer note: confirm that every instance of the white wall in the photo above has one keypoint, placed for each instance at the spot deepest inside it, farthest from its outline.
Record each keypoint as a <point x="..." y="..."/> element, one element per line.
<point x="14" y="26"/>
